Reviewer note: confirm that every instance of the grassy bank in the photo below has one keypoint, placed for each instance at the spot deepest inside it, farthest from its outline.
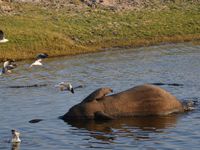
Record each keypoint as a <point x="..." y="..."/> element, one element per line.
<point x="34" y="29"/>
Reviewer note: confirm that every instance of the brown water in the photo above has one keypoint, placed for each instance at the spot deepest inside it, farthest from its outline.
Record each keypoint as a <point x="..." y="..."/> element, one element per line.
<point x="118" y="69"/>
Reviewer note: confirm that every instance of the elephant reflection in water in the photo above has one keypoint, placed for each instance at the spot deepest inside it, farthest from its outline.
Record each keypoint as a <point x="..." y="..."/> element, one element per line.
<point x="137" y="127"/>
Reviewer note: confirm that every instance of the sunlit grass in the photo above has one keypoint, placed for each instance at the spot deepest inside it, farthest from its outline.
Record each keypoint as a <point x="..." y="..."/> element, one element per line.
<point x="67" y="32"/>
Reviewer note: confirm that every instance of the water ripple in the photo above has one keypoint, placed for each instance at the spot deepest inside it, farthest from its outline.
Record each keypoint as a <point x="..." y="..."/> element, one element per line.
<point x="118" y="69"/>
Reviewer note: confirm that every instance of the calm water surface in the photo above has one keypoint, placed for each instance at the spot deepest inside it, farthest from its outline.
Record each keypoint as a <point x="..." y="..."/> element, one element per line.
<point x="118" y="69"/>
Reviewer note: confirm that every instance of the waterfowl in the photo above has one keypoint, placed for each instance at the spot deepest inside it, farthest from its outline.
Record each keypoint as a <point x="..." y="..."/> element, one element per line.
<point x="36" y="63"/>
<point x="39" y="58"/>
<point x="65" y="86"/>
<point x="2" y="37"/>
<point x="8" y="65"/>
<point x="15" y="136"/>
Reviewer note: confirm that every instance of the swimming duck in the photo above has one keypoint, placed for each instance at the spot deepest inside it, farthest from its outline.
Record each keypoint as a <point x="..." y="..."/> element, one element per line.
<point x="15" y="136"/>
<point x="66" y="86"/>
<point x="39" y="58"/>
<point x="8" y="65"/>
<point x="36" y="63"/>
<point x="2" y="37"/>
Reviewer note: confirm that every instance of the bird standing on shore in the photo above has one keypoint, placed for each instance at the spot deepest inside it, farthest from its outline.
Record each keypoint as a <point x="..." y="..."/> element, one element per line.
<point x="8" y="65"/>
<point x="15" y="136"/>
<point x="2" y="37"/>
<point x="39" y="58"/>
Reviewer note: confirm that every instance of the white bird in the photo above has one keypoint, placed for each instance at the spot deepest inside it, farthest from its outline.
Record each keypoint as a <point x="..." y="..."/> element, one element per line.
<point x="15" y="136"/>
<point x="2" y="37"/>
<point x="36" y="63"/>
<point x="66" y="86"/>
<point x="39" y="59"/>
<point x="8" y="65"/>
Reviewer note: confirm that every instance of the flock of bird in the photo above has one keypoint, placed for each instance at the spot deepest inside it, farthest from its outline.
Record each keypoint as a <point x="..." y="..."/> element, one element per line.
<point x="9" y="65"/>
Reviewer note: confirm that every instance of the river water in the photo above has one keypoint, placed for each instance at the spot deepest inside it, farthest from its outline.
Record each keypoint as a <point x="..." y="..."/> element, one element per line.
<point x="118" y="69"/>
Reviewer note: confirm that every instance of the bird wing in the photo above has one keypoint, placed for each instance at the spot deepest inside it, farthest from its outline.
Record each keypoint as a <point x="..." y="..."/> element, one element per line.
<point x="5" y="64"/>
<point x="37" y="63"/>
<point x="12" y="66"/>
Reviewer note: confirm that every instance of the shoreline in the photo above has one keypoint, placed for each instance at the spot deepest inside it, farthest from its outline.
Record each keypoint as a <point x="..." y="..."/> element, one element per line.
<point x="146" y="44"/>
<point x="135" y="44"/>
<point x="34" y="29"/>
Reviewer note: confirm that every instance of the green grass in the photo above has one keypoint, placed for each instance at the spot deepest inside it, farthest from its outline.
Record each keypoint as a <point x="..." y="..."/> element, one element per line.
<point x="69" y="32"/>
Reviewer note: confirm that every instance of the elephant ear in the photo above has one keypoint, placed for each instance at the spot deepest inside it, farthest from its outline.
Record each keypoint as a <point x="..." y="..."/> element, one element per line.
<point x="98" y="94"/>
<point x="99" y="115"/>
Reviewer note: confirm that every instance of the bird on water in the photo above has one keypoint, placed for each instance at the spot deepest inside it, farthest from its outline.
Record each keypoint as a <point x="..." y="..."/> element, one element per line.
<point x="39" y="59"/>
<point x="15" y="136"/>
<point x="8" y="65"/>
<point x="66" y="86"/>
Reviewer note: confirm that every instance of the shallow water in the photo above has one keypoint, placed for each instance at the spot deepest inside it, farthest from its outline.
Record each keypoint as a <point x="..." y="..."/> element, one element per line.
<point x="118" y="69"/>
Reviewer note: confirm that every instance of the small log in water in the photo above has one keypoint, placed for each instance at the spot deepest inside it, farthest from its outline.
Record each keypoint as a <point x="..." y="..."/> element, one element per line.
<point x="27" y="86"/>
<point x="170" y="84"/>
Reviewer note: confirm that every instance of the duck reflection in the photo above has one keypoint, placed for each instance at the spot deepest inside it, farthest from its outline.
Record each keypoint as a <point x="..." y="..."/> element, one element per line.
<point x="15" y="146"/>
<point x="138" y="128"/>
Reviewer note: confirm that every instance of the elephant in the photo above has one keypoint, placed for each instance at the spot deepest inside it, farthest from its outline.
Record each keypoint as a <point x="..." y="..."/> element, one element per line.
<point x="141" y="100"/>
